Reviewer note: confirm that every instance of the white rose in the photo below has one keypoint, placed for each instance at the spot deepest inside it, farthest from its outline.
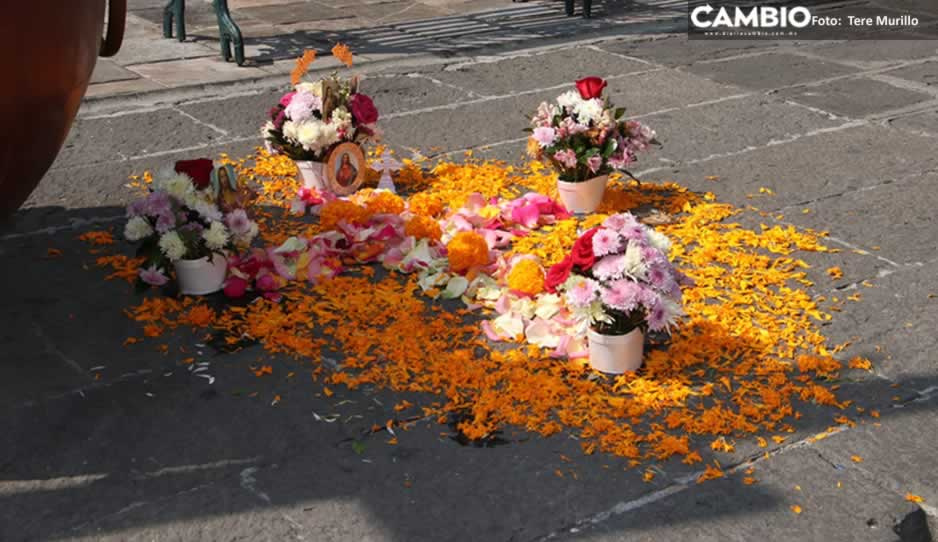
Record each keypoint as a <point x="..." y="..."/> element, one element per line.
<point x="137" y="228"/>
<point x="172" y="246"/>
<point x="216" y="236"/>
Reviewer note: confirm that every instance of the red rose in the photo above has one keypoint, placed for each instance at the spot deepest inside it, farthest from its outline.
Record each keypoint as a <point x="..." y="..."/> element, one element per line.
<point x="363" y="109"/>
<point x="557" y="274"/>
<point x="582" y="253"/>
<point x="591" y="87"/>
<point x="199" y="169"/>
<point x="235" y="287"/>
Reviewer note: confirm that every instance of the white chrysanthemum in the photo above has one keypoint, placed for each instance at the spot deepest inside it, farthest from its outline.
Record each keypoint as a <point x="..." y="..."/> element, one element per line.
<point x="313" y="88"/>
<point x="633" y="265"/>
<point x="178" y="185"/>
<point x="341" y="114"/>
<point x="290" y="130"/>
<point x="658" y="240"/>
<point x="137" y="228"/>
<point x="570" y="99"/>
<point x="589" y="110"/>
<point x="329" y="135"/>
<point x="309" y="134"/>
<point x="266" y="129"/>
<point x="216" y="236"/>
<point x="172" y="246"/>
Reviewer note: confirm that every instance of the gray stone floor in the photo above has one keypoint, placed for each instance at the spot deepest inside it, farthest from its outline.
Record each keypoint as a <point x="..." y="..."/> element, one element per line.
<point x="846" y="131"/>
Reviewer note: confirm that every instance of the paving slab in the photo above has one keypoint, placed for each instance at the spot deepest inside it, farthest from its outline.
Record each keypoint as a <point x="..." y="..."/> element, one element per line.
<point x="769" y="71"/>
<point x="239" y="116"/>
<point x="871" y="54"/>
<point x="100" y="139"/>
<point x="897" y="217"/>
<point x="923" y="123"/>
<point x="512" y="114"/>
<point x="157" y="49"/>
<point x="925" y="73"/>
<point x="512" y="75"/>
<point x="798" y="174"/>
<point x="727" y="509"/>
<point x="106" y="71"/>
<point x="120" y="88"/>
<point x="295" y="12"/>
<point x="695" y="133"/>
<point x="898" y="335"/>
<point x="640" y="94"/>
<point x="856" y="97"/>
<point x="175" y="73"/>
<point x="674" y="51"/>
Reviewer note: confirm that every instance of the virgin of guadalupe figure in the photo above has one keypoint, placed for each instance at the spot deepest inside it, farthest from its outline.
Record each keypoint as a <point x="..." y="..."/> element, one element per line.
<point x="347" y="172"/>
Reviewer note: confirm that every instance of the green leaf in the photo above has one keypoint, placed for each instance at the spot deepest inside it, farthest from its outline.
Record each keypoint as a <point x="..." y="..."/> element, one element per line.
<point x="619" y="112"/>
<point x="358" y="447"/>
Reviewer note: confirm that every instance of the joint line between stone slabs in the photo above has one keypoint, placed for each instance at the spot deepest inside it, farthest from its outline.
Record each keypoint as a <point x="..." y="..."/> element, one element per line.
<point x="200" y="122"/>
<point x="685" y="482"/>
<point x="52" y="349"/>
<point x="772" y="143"/>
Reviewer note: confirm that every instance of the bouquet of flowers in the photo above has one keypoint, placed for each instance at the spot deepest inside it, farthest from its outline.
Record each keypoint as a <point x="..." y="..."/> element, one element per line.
<point x="180" y="219"/>
<point x="315" y="116"/>
<point x="618" y="277"/>
<point x="582" y="136"/>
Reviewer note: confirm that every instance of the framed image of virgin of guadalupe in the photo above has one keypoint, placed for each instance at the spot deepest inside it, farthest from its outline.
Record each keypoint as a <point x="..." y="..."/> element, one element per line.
<point x="345" y="169"/>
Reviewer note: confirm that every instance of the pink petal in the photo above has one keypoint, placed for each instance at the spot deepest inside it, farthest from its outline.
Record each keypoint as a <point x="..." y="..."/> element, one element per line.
<point x="489" y="332"/>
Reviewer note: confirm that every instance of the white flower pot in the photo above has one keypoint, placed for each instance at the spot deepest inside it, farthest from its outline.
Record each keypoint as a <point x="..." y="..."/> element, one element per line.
<point x="616" y="354"/>
<point x="202" y="276"/>
<point x="312" y="175"/>
<point x="585" y="197"/>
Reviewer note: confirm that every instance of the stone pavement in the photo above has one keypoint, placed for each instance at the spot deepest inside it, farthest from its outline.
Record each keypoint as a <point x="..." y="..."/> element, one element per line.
<point x="379" y="31"/>
<point x="106" y="442"/>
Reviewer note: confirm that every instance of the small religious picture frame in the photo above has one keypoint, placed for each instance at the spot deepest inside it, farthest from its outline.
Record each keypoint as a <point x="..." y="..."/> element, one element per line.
<point x="345" y="169"/>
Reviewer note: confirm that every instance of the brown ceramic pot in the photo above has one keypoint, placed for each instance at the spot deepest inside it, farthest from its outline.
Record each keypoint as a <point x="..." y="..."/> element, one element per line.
<point x="49" y="48"/>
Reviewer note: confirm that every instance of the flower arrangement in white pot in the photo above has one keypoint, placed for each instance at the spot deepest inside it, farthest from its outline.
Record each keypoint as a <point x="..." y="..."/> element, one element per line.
<point x="618" y="278"/>
<point x="314" y="117"/>
<point x="584" y="138"/>
<point x="180" y="224"/>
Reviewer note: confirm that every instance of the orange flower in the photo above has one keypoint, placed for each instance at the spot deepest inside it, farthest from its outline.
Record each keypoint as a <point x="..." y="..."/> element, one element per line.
<point x="423" y="227"/>
<point x="384" y="202"/>
<point x="466" y="250"/>
<point x="526" y="277"/>
<point x="426" y="204"/>
<point x="339" y="210"/>
<point x="302" y="66"/>
<point x="343" y="53"/>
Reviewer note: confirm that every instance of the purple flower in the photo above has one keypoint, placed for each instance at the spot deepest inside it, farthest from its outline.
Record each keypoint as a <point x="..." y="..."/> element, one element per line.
<point x="153" y="276"/>
<point x="594" y="162"/>
<point x="566" y="157"/>
<point x="634" y="233"/>
<point x="165" y="222"/>
<point x="545" y="136"/>
<point x="657" y="317"/>
<point x="659" y="276"/>
<point x="158" y="203"/>
<point x="136" y="208"/>
<point x="622" y="295"/>
<point x="606" y="241"/>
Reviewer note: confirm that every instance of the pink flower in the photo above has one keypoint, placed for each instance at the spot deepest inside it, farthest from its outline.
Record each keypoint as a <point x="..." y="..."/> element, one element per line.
<point x="594" y="162"/>
<point x="606" y="241"/>
<point x="238" y="222"/>
<point x="583" y="293"/>
<point x="566" y="157"/>
<point x="610" y="267"/>
<point x="545" y="136"/>
<point x="153" y="276"/>
<point x="622" y="295"/>
<point x="287" y="98"/>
